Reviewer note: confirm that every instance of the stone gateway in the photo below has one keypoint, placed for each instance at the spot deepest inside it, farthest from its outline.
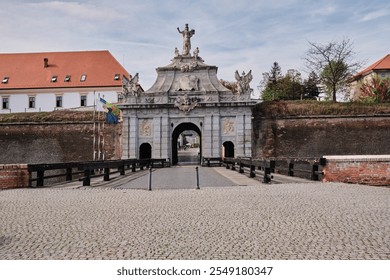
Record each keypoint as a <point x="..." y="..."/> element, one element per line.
<point x="187" y="95"/>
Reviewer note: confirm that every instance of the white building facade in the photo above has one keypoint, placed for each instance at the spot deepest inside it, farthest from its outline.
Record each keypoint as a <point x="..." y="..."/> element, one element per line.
<point x="41" y="82"/>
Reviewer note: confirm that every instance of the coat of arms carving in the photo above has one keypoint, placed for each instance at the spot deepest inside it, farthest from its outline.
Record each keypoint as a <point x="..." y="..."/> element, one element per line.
<point x="186" y="103"/>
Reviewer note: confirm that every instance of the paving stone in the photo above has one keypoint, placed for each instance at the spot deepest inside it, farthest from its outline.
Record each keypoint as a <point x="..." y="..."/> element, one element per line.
<point x="226" y="221"/>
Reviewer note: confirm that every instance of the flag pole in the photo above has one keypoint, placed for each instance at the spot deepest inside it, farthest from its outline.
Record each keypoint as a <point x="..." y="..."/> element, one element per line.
<point x="98" y="134"/>
<point x="94" y="125"/>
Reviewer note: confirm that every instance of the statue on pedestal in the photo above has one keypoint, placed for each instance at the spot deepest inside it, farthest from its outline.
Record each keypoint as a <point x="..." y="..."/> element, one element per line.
<point x="131" y="87"/>
<point x="243" y="82"/>
<point x="187" y="34"/>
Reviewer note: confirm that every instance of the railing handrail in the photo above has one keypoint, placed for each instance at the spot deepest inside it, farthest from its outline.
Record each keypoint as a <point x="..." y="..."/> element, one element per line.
<point x="269" y="165"/>
<point x="89" y="166"/>
<point x="51" y="166"/>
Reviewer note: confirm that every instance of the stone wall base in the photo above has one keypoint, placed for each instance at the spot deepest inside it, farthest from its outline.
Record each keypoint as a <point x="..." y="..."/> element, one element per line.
<point x="370" y="170"/>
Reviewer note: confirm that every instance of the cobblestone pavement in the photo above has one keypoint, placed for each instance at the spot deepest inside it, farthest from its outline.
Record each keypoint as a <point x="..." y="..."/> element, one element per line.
<point x="281" y="221"/>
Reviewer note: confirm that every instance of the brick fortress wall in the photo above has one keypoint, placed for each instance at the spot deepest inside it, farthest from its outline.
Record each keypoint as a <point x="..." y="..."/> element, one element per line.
<point x="49" y="142"/>
<point x="316" y="136"/>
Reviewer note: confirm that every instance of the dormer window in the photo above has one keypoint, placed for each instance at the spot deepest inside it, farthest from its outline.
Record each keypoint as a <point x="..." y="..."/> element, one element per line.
<point x="5" y="80"/>
<point x="83" y="78"/>
<point x="117" y="77"/>
<point x="67" y="78"/>
<point x="54" y="79"/>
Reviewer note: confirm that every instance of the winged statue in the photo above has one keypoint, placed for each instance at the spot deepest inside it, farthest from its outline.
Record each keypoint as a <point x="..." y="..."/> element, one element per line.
<point x="131" y="87"/>
<point x="243" y="81"/>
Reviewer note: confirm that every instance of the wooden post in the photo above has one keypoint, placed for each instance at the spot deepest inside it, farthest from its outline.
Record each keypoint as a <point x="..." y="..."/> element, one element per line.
<point x="87" y="177"/>
<point x="150" y="180"/>
<point x="314" y="172"/>
<point x="290" y="168"/>
<point x="69" y="174"/>
<point x="40" y="175"/>
<point x="197" y="178"/>
<point x="106" y="174"/>
<point x="122" y="170"/>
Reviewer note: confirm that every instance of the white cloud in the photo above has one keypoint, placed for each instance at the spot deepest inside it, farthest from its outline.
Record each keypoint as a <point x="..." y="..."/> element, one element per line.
<point x="233" y="35"/>
<point x="375" y="15"/>
<point x="78" y="10"/>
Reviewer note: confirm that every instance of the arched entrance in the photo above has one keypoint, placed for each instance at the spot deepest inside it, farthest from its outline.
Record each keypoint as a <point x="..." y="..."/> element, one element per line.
<point x="228" y="147"/>
<point x="183" y="127"/>
<point x="145" y="151"/>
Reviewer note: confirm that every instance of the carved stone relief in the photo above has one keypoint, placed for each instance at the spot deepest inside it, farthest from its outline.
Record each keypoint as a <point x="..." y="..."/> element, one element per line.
<point x="228" y="126"/>
<point x="149" y="100"/>
<point x="186" y="103"/>
<point x="187" y="83"/>
<point x="145" y="127"/>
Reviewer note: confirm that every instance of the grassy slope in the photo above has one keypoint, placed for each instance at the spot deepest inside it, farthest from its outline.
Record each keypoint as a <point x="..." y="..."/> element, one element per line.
<point x="310" y="108"/>
<point x="56" y="116"/>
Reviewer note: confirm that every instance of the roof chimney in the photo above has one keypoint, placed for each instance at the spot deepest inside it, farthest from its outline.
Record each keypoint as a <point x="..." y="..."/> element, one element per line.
<point x="45" y="62"/>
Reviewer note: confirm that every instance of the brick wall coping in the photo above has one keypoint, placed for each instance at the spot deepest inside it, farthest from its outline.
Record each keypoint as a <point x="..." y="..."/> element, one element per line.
<point x="13" y="166"/>
<point x="354" y="158"/>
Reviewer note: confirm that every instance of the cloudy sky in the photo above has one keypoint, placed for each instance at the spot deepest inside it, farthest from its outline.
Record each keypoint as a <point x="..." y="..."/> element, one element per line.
<point x="231" y="34"/>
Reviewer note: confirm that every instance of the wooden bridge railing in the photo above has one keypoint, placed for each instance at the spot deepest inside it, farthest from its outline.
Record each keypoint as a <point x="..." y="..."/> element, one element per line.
<point x="303" y="167"/>
<point x="87" y="170"/>
<point x="310" y="168"/>
<point x="212" y="161"/>
<point x="65" y="169"/>
<point x="264" y="167"/>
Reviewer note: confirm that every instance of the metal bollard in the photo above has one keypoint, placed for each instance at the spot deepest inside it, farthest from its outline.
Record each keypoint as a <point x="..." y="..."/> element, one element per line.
<point x="150" y="179"/>
<point x="197" y="178"/>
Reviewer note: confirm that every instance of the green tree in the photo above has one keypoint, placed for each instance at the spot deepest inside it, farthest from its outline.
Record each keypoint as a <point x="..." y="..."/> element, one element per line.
<point x="310" y="85"/>
<point x="334" y="63"/>
<point x="278" y="87"/>
<point x="270" y="81"/>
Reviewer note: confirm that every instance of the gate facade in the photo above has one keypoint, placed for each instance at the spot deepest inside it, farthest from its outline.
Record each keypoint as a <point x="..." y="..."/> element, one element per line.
<point x="187" y="95"/>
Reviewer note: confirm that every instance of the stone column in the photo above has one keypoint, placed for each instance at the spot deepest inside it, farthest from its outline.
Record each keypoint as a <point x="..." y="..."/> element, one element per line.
<point x="248" y="134"/>
<point x="133" y="137"/>
<point x="165" y="136"/>
<point x="207" y="136"/>
<point x="125" y="137"/>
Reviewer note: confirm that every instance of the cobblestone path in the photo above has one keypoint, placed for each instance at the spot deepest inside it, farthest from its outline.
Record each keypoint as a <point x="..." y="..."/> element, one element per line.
<point x="284" y="221"/>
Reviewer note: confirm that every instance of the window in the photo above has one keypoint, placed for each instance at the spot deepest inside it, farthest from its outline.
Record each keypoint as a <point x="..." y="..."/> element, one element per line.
<point x="83" y="78"/>
<point x="5" y="102"/>
<point x="58" y="101"/>
<point x="54" y="79"/>
<point x="67" y="78"/>
<point x="5" y="80"/>
<point x="31" y="102"/>
<point x="116" y="77"/>
<point x="83" y="102"/>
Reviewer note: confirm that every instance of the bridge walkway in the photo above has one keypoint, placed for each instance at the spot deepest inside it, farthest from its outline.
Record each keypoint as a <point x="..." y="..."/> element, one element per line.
<point x="182" y="177"/>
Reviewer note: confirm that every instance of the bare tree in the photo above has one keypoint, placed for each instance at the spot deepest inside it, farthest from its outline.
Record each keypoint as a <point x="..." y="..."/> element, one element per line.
<point x="334" y="63"/>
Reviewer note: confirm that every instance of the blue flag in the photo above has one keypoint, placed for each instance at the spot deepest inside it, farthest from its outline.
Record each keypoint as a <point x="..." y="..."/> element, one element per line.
<point x="113" y="112"/>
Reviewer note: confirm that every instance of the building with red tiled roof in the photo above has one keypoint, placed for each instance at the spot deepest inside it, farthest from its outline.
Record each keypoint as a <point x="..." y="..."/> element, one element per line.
<point x="33" y="82"/>
<point x="380" y="68"/>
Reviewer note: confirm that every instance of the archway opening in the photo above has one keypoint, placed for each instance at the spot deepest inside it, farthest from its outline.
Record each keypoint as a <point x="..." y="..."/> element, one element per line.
<point x="228" y="149"/>
<point x="186" y="144"/>
<point x="145" y="151"/>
